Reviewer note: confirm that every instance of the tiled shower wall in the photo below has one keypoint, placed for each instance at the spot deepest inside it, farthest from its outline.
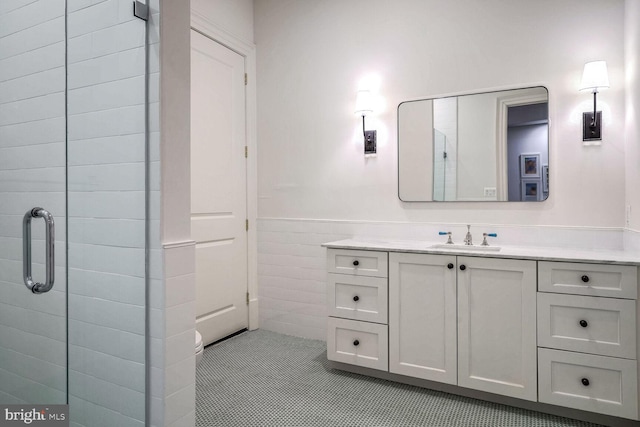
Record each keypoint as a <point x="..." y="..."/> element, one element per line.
<point x="292" y="262"/>
<point x="32" y="173"/>
<point x="106" y="181"/>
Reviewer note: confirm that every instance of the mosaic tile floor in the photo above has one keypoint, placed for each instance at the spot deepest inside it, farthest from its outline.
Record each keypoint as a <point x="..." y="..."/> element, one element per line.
<point x="262" y="378"/>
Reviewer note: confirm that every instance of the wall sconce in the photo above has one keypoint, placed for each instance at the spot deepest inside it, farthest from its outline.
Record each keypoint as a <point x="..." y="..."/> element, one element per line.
<point x="364" y="106"/>
<point x="595" y="76"/>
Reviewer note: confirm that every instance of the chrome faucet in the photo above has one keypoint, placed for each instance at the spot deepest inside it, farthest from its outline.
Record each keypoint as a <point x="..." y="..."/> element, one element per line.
<point x="468" y="239"/>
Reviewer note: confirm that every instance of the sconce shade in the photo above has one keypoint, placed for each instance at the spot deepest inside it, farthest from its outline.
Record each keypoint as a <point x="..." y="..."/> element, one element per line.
<point x="595" y="75"/>
<point x="364" y="103"/>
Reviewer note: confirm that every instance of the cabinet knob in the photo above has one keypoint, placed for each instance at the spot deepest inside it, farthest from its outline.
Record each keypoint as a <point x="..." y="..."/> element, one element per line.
<point x="584" y="323"/>
<point x="585" y="382"/>
<point x="356" y="343"/>
<point x="356" y="263"/>
<point x="585" y="278"/>
<point x="450" y="266"/>
<point x="356" y="298"/>
<point x="463" y="267"/>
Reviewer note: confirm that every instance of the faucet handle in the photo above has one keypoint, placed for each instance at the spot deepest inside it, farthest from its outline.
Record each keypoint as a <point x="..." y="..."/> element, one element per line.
<point x="485" y="235"/>
<point x="446" y="233"/>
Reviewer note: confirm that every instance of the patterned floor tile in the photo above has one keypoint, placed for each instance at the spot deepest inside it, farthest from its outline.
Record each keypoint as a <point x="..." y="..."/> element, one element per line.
<point x="262" y="378"/>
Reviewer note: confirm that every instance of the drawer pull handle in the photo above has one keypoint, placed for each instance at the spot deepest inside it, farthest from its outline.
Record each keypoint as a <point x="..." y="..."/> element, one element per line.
<point x="356" y="343"/>
<point x="585" y="382"/>
<point x="356" y="263"/>
<point x="450" y="266"/>
<point x="356" y="298"/>
<point x="584" y="323"/>
<point x="463" y="267"/>
<point x="585" y="278"/>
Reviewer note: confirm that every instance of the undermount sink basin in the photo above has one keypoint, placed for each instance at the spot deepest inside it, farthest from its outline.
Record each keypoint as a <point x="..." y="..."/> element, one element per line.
<point x="473" y="248"/>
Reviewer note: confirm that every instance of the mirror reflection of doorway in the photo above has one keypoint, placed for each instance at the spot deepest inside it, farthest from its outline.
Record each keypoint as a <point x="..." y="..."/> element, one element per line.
<point x="527" y="154"/>
<point x="439" y="166"/>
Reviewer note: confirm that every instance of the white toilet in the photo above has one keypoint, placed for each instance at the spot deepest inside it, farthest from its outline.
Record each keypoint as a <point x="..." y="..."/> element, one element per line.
<point x="199" y="348"/>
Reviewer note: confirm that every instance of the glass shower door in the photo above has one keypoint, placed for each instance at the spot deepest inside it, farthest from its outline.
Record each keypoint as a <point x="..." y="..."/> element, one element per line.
<point x="73" y="136"/>
<point x="33" y="318"/>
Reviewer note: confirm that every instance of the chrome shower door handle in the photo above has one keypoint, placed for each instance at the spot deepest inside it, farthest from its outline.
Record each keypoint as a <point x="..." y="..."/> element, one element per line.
<point x="50" y="238"/>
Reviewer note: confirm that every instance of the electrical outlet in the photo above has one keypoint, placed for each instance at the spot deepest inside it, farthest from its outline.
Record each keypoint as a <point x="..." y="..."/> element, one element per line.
<point x="627" y="219"/>
<point x="489" y="191"/>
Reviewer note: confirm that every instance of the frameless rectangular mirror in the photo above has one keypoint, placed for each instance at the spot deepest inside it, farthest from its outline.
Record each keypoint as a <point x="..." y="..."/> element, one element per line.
<point x="491" y="146"/>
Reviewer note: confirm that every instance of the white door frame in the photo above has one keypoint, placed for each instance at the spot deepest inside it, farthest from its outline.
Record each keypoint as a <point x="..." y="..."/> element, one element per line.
<point x="504" y="102"/>
<point x="247" y="50"/>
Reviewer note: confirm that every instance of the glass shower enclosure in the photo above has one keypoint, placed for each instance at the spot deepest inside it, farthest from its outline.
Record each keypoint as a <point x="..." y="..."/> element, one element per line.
<point x="73" y="138"/>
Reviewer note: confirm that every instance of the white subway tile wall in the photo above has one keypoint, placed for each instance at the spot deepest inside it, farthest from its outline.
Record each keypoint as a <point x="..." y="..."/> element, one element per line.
<point x="631" y="240"/>
<point x="32" y="173"/>
<point x="106" y="199"/>
<point x="157" y="342"/>
<point x="292" y="262"/>
<point x="178" y="317"/>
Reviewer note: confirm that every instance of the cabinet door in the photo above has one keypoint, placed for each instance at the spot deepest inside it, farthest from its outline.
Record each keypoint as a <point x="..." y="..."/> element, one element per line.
<point x="497" y="326"/>
<point x="422" y="316"/>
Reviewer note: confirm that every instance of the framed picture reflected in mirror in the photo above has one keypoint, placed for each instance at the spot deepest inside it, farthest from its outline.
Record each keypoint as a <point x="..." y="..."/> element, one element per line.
<point x="530" y="165"/>
<point x="530" y="190"/>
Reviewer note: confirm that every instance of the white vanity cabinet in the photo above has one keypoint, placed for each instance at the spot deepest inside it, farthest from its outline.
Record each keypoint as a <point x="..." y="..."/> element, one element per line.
<point x="357" y="304"/>
<point x="533" y="326"/>
<point x="497" y="326"/>
<point x="422" y="316"/>
<point x="461" y="320"/>
<point x="587" y="329"/>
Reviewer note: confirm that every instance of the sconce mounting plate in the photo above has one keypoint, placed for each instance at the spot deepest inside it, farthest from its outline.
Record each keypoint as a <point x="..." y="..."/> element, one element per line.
<point x="591" y="133"/>
<point x="370" y="137"/>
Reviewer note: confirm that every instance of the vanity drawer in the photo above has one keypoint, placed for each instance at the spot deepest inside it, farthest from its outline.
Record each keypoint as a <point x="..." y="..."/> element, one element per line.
<point x="606" y="385"/>
<point x="359" y="263"/>
<point x="603" y="280"/>
<point x="604" y="326"/>
<point x="358" y="297"/>
<point x="358" y="343"/>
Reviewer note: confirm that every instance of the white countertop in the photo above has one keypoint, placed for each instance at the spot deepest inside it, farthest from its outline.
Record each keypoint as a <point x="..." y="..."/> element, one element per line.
<point x="518" y="252"/>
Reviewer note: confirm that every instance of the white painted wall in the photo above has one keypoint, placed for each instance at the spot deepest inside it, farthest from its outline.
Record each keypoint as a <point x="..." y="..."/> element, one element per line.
<point x="312" y="55"/>
<point x="632" y="105"/>
<point x="315" y="185"/>
<point x="232" y="16"/>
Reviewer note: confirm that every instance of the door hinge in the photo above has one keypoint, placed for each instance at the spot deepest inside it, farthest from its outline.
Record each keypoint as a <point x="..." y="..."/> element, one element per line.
<point x="247" y="298"/>
<point x="246" y="79"/>
<point x="140" y="10"/>
<point x="246" y="224"/>
<point x="246" y="151"/>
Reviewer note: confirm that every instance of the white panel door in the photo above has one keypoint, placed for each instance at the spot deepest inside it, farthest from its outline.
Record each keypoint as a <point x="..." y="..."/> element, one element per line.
<point x="218" y="187"/>
<point x="422" y="316"/>
<point x="497" y="326"/>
